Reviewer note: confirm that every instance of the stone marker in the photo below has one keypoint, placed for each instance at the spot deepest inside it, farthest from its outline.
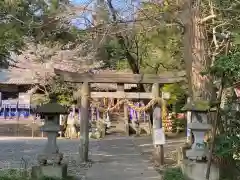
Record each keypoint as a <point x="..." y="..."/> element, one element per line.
<point x="50" y="160"/>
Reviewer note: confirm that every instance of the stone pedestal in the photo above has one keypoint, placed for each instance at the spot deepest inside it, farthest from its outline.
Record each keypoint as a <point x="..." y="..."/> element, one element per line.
<point x="51" y="151"/>
<point x="197" y="170"/>
<point x="59" y="171"/>
<point x="50" y="159"/>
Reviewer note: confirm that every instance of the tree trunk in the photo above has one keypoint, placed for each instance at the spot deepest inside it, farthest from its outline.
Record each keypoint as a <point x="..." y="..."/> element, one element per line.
<point x="195" y="53"/>
<point x="201" y="84"/>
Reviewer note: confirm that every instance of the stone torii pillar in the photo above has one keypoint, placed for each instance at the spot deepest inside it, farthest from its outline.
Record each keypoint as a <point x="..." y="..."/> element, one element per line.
<point x="157" y="127"/>
<point x="84" y="124"/>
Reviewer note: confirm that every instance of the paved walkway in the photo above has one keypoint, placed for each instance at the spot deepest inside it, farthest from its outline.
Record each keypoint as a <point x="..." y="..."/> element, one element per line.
<point x="120" y="160"/>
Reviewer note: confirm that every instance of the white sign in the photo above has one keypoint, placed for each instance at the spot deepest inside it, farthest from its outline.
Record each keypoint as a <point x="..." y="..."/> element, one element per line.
<point x="24" y="99"/>
<point x="158" y="136"/>
<point x="189" y="120"/>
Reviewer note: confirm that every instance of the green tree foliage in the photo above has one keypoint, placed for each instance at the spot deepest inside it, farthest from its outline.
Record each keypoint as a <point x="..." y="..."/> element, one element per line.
<point x="227" y="68"/>
<point x="163" y="50"/>
<point x="63" y="91"/>
<point x="228" y="142"/>
<point x="15" y="19"/>
<point x="32" y="23"/>
<point x="177" y="95"/>
<point x="145" y="46"/>
<point x="32" y="20"/>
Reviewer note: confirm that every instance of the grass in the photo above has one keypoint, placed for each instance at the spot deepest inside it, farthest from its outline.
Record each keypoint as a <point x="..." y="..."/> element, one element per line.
<point x="13" y="174"/>
<point x="17" y="174"/>
<point x="173" y="174"/>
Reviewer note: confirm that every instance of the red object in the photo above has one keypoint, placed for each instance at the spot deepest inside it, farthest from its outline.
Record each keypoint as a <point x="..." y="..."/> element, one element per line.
<point x="180" y="116"/>
<point x="237" y="91"/>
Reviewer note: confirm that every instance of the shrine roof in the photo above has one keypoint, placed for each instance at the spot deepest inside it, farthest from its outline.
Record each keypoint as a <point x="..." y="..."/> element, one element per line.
<point x="17" y="77"/>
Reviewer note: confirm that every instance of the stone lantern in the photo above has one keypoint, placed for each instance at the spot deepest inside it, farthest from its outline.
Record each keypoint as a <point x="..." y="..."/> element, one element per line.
<point x="50" y="159"/>
<point x="194" y="167"/>
<point x="198" y="126"/>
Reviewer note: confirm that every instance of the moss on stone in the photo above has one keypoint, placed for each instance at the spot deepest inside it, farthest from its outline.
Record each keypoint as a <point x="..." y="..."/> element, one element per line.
<point x="52" y="108"/>
<point x="198" y="105"/>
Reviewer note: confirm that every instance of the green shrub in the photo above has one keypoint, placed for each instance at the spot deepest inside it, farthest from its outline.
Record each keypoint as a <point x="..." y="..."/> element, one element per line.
<point x="173" y="174"/>
<point x="13" y="174"/>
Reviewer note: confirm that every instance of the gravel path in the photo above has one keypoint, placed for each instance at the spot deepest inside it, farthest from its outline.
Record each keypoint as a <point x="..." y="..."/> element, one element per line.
<point x="22" y="152"/>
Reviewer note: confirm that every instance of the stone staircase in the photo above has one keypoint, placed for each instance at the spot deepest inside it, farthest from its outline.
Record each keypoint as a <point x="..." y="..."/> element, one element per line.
<point x="118" y="125"/>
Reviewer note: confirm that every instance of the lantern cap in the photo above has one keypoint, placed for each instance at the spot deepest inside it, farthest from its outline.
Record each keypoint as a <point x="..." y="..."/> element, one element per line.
<point x="52" y="108"/>
<point x="198" y="105"/>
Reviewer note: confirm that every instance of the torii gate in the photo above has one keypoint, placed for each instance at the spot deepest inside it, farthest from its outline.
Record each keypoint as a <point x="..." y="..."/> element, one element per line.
<point x="118" y="78"/>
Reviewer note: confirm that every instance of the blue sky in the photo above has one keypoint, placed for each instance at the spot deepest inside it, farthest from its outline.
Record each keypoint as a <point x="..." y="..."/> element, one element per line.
<point x="125" y="7"/>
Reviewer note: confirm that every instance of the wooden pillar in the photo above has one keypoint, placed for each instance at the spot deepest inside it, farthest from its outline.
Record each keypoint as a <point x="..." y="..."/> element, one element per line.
<point x="138" y="123"/>
<point x="78" y="106"/>
<point x="92" y="114"/>
<point x="157" y="124"/>
<point x="126" y="119"/>
<point x="84" y="124"/>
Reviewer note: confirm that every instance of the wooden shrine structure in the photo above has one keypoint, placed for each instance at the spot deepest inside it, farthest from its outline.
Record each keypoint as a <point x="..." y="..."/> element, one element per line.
<point x="120" y="79"/>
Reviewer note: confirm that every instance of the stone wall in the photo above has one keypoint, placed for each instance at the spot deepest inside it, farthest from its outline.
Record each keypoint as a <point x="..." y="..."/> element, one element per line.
<point x="21" y="128"/>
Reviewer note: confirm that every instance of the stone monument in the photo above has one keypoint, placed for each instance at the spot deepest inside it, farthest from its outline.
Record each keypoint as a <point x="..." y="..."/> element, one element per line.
<point x="195" y="166"/>
<point x="50" y="159"/>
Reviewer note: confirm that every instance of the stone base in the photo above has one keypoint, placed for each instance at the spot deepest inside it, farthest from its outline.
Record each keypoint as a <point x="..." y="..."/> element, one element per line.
<point x="197" y="170"/>
<point x="57" y="171"/>
<point x="55" y="158"/>
<point x="196" y="154"/>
